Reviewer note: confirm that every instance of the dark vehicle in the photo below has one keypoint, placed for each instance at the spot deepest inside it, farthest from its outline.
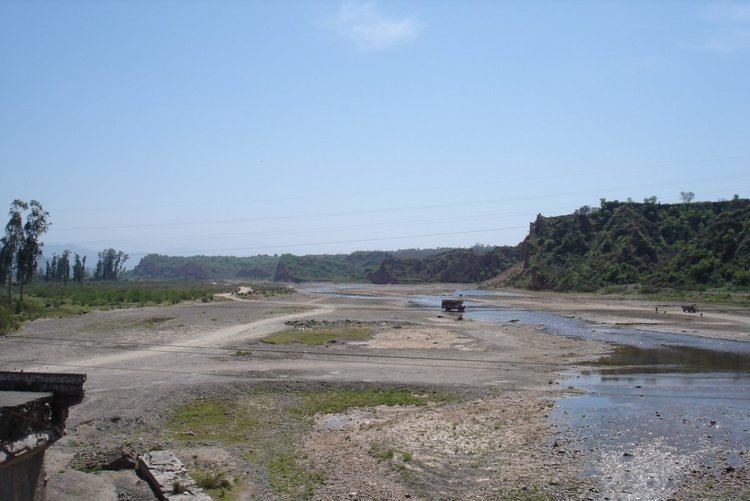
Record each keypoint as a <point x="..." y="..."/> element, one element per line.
<point x="691" y="308"/>
<point x="453" y="304"/>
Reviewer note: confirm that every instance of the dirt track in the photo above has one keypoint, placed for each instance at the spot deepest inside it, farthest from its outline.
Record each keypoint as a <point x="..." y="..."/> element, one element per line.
<point x="494" y="440"/>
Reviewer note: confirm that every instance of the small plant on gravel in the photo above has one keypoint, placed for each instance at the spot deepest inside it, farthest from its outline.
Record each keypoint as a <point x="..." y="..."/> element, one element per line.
<point x="406" y="457"/>
<point x="209" y="480"/>
<point x="381" y="452"/>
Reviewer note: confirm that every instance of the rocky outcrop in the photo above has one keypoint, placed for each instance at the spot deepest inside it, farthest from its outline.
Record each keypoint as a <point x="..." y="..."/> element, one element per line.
<point x="457" y="266"/>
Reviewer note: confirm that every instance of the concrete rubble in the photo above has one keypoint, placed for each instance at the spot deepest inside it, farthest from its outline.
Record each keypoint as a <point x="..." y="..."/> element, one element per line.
<point x="168" y="477"/>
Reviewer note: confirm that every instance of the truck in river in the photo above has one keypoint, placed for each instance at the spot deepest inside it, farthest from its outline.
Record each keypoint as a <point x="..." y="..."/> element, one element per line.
<point x="453" y="305"/>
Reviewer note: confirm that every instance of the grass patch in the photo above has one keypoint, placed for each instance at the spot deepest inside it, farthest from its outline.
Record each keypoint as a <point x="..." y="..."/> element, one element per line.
<point x="288" y="476"/>
<point x="333" y="401"/>
<point x="211" y="420"/>
<point x="316" y="337"/>
<point x="216" y="483"/>
<point x="51" y="299"/>
<point x="269" y="424"/>
<point x="381" y="453"/>
<point x="395" y="458"/>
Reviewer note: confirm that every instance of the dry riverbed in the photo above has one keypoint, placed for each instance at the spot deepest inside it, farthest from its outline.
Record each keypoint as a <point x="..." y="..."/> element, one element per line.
<point x="365" y="392"/>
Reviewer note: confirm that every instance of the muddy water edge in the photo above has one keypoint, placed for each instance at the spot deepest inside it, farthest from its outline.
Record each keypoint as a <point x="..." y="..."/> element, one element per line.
<point x="665" y="415"/>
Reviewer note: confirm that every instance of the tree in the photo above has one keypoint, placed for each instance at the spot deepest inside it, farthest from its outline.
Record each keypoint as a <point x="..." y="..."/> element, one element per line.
<point x="111" y="265"/>
<point x="52" y="275"/>
<point x="63" y="267"/>
<point x="79" y="269"/>
<point x="30" y="249"/>
<point x="650" y="200"/>
<point x="687" y="196"/>
<point x="11" y="242"/>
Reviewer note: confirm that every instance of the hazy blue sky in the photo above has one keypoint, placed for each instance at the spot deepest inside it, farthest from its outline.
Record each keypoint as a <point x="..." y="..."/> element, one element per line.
<point x="247" y="127"/>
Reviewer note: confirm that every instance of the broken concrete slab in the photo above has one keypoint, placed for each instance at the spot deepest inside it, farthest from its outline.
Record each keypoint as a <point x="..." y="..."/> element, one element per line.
<point x="168" y="477"/>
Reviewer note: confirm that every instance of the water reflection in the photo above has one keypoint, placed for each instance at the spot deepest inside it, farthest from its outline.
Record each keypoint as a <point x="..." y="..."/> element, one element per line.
<point x="634" y="359"/>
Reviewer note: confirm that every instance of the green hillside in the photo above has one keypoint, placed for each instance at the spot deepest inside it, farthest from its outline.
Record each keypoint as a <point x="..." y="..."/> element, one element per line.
<point x="690" y="245"/>
<point x="206" y="267"/>
<point x="328" y="267"/>
<point x="455" y="265"/>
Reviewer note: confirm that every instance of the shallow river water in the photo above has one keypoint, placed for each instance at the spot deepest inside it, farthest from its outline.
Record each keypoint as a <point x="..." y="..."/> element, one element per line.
<point x="663" y="407"/>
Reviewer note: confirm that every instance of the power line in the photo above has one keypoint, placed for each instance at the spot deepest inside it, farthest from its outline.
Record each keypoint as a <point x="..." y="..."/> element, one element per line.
<point x="361" y="240"/>
<point x="495" y="215"/>
<point x="453" y="186"/>
<point x="388" y="209"/>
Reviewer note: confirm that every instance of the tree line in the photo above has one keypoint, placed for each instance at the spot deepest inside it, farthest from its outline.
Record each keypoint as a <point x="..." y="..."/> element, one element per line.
<point x="110" y="266"/>
<point x="21" y="249"/>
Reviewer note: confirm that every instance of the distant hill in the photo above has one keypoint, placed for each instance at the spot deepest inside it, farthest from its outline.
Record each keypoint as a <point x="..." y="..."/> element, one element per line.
<point x="688" y="246"/>
<point x="677" y="245"/>
<point x="328" y="267"/>
<point x="285" y="268"/>
<point x="455" y="265"/>
<point x="206" y="267"/>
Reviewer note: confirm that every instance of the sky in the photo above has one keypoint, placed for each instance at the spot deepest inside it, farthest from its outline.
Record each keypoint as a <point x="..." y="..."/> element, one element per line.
<point x="239" y="128"/>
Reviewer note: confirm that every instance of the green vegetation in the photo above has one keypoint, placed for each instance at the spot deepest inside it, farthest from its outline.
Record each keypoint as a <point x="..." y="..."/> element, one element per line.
<point x="397" y="459"/>
<point x="724" y="295"/>
<point x="110" y="265"/>
<point x="455" y="265"/>
<point x="331" y="402"/>
<point x="286" y="268"/>
<point x="56" y="299"/>
<point x="381" y="452"/>
<point x="124" y="294"/>
<point x="261" y="267"/>
<point x="50" y="299"/>
<point x="215" y="482"/>
<point x="318" y="336"/>
<point x="689" y="246"/>
<point x="269" y="424"/>
<point x="335" y="267"/>
<point x="354" y="267"/>
<point x="20" y="248"/>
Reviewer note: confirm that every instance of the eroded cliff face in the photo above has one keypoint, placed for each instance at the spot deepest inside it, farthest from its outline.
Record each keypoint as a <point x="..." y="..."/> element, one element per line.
<point x="688" y="245"/>
<point x="458" y="265"/>
<point x="283" y="274"/>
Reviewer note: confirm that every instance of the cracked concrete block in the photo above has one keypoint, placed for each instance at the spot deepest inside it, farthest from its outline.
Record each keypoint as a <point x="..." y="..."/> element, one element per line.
<point x="169" y="478"/>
